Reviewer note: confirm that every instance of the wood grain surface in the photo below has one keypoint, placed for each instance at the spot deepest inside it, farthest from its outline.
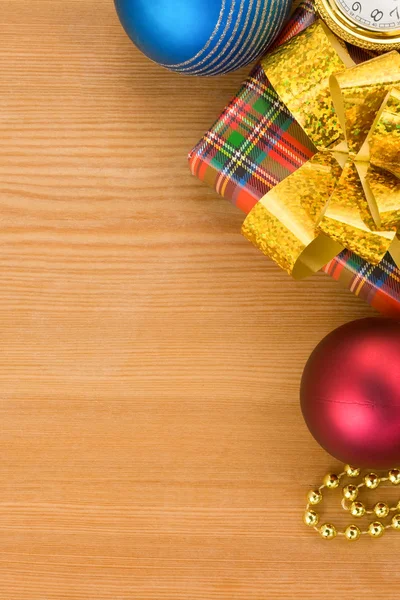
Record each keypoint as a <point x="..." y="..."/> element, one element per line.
<point x="152" y="446"/>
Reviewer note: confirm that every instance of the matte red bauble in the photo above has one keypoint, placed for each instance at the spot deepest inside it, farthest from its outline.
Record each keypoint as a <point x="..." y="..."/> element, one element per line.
<point x="350" y="393"/>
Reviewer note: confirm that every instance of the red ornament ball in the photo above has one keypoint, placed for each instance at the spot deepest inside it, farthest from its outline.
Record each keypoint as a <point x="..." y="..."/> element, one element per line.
<point x="350" y="393"/>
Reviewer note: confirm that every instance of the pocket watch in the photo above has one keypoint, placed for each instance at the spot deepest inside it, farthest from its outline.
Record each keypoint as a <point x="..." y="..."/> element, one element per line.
<point x="370" y="24"/>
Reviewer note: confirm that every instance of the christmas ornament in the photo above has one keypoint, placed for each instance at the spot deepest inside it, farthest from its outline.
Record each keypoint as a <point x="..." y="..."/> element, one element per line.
<point x="203" y="38"/>
<point x="350" y="393"/>
<point x="350" y="399"/>
<point x="370" y="24"/>
<point x="380" y="511"/>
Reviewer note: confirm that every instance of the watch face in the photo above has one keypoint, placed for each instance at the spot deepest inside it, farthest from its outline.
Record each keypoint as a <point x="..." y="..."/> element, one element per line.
<point x="374" y="15"/>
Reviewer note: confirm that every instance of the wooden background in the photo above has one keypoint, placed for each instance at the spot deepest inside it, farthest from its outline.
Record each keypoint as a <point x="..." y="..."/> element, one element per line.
<point x="152" y="446"/>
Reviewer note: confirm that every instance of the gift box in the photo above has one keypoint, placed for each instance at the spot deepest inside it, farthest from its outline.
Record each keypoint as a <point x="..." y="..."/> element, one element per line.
<point x="256" y="143"/>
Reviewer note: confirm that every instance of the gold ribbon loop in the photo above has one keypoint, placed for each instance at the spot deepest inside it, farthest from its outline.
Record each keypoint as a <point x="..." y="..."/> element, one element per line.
<point x="384" y="138"/>
<point x="283" y="223"/>
<point x="358" y="94"/>
<point x="299" y="71"/>
<point x="348" y="194"/>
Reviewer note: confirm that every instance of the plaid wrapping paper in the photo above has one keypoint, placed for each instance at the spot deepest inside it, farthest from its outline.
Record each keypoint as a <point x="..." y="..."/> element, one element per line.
<point x="256" y="143"/>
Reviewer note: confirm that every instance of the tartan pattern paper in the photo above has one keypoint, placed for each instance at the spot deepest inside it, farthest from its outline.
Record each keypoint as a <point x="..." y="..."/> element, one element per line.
<point x="256" y="143"/>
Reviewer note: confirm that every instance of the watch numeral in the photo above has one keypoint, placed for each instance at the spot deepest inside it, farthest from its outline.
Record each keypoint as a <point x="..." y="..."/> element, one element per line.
<point x="357" y="7"/>
<point x="377" y="15"/>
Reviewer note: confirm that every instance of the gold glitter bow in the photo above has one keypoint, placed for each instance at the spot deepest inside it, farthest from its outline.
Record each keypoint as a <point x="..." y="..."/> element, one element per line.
<point x="348" y="194"/>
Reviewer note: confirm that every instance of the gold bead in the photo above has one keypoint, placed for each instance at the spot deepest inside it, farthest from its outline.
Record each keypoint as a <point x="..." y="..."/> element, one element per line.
<point x="357" y="509"/>
<point x="396" y="522"/>
<point x="381" y="510"/>
<point x="331" y="481"/>
<point x="327" y="531"/>
<point x="376" y="529"/>
<point x="350" y="492"/>
<point x="311" y="518"/>
<point x="352" y="533"/>
<point x="351" y="471"/>
<point x="398" y="505"/>
<point x="394" y="476"/>
<point x="372" y="481"/>
<point x="314" y="497"/>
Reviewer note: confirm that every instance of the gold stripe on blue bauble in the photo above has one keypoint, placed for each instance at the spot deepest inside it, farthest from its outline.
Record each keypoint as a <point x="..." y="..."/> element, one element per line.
<point x="227" y="53"/>
<point x="198" y="57"/>
<point x="204" y="38"/>
<point x="235" y="58"/>
<point x="235" y="34"/>
<point x="220" y="41"/>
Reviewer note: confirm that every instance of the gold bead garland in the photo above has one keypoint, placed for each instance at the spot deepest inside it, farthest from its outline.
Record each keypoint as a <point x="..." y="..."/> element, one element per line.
<point x="331" y="481"/>
<point x="314" y="497"/>
<point x="350" y="492"/>
<point x="352" y="471"/>
<point x="352" y="533"/>
<point x="381" y="510"/>
<point x="357" y="509"/>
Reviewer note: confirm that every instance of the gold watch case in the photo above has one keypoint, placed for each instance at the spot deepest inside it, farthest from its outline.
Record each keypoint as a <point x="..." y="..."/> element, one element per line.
<point x="347" y="30"/>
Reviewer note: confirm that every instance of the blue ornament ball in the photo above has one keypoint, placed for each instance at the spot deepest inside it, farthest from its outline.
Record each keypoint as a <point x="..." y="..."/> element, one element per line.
<point x="207" y="37"/>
